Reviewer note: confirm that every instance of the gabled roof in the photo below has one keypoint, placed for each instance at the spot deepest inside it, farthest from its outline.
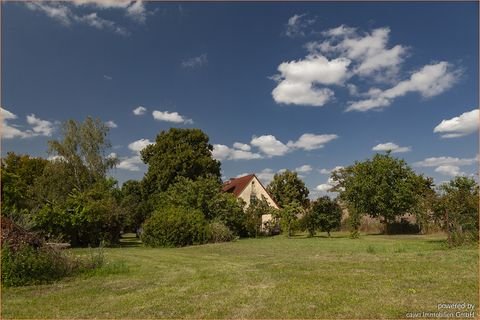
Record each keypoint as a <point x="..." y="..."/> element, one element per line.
<point x="236" y="185"/>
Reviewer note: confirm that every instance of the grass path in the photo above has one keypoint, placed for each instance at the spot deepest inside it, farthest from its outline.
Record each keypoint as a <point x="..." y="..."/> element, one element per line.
<point x="373" y="277"/>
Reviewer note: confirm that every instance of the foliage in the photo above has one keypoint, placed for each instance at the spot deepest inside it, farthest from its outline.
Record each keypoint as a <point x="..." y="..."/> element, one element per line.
<point x="287" y="187"/>
<point x="82" y="151"/>
<point x="458" y="206"/>
<point x="288" y="216"/>
<point x="19" y="174"/>
<point x="178" y="153"/>
<point x="86" y="218"/>
<point x="427" y="198"/>
<point x="324" y="214"/>
<point x="175" y="227"/>
<point x="383" y="187"/>
<point x="134" y="206"/>
<point x="205" y="195"/>
<point x="254" y="213"/>
<point x="219" y="232"/>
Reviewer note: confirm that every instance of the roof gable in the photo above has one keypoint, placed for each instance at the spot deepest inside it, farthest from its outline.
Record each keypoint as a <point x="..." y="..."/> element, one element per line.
<point x="236" y="185"/>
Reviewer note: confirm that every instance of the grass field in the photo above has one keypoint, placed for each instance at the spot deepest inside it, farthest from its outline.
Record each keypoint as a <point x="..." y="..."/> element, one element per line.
<point x="375" y="276"/>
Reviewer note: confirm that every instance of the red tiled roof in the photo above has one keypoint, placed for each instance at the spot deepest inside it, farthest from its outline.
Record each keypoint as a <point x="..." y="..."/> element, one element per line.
<point x="236" y="185"/>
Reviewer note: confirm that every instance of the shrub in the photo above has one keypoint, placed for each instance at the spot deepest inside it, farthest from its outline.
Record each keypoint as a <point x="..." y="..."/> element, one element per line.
<point x="29" y="265"/>
<point x="175" y="227"/>
<point x="219" y="232"/>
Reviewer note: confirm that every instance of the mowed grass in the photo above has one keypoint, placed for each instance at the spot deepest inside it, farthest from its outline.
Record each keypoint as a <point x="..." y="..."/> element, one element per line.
<point x="375" y="276"/>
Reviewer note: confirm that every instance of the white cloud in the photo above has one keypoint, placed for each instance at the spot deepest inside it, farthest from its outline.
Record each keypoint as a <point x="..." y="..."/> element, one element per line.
<point x="107" y="77"/>
<point x="63" y="12"/>
<point x="298" y="80"/>
<point x="309" y="141"/>
<point x="269" y="145"/>
<point x="242" y="146"/>
<point x="39" y="126"/>
<point x="304" y="169"/>
<point x="134" y="162"/>
<point x="174" y="117"/>
<point x="444" y="161"/>
<point x="449" y="170"/>
<point x="93" y="20"/>
<point x="55" y="158"/>
<point x="223" y="152"/>
<point x="390" y="146"/>
<point x="460" y="126"/>
<point x="329" y="171"/>
<point x="195" y="61"/>
<point x="429" y="81"/>
<point x="369" y="51"/>
<point x="297" y="24"/>
<point x="130" y="163"/>
<point x="266" y="175"/>
<point x="324" y="187"/>
<point x="111" y="124"/>
<point x="139" y="111"/>
<point x="139" y="145"/>
<point x="137" y="12"/>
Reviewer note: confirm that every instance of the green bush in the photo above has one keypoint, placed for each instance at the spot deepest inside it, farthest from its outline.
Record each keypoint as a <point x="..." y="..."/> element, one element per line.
<point x="29" y="265"/>
<point x="175" y="227"/>
<point x="219" y="232"/>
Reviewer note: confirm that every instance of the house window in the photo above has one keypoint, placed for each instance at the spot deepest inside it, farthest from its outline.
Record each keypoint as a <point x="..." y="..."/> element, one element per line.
<point x="253" y="198"/>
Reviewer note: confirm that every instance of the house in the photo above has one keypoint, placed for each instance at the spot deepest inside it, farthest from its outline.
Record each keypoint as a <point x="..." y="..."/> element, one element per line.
<point x="249" y="188"/>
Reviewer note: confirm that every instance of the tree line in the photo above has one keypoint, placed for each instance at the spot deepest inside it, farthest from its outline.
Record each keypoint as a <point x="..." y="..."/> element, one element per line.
<point x="71" y="198"/>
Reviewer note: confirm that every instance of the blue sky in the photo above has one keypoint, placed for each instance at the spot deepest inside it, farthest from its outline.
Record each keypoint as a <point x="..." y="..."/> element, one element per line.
<point x="299" y="86"/>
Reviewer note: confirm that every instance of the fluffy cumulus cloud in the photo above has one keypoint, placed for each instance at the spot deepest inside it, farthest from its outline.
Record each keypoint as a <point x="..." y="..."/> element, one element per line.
<point x="134" y="162"/>
<point x="174" y="117"/>
<point x="449" y="170"/>
<point x="138" y="111"/>
<point x="329" y="171"/>
<point x="429" y="81"/>
<point x="309" y="141"/>
<point x="65" y="12"/>
<point x="345" y="57"/>
<point x="38" y="127"/>
<point x="297" y="24"/>
<point x="325" y="187"/>
<point x="111" y="124"/>
<point x="369" y="51"/>
<point x="195" y="61"/>
<point x="223" y="152"/>
<point x="269" y="145"/>
<point x="266" y="175"/>
<point x="390" y="146"/>
<point x="440" y="161"/>
<point x="298" y="82"/>
<point x="306" y="168"/>
<point x="460" y="126"/>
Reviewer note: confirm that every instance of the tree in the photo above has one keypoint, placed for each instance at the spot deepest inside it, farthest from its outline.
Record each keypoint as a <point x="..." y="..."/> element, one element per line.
<point x="287" y="187"/>
<point x="133" y="204"/>
<point x="458" y="206"/>
<point x="324" y="215"/>
<point x="383" y="187"/>
<point x="205" y="195"/>
<point x="83" y="151"/>
<point x="288" y="216"/>
<point x="19" y="174"/>
<point x="254" y="213"/>
<point x="178" y="153"/>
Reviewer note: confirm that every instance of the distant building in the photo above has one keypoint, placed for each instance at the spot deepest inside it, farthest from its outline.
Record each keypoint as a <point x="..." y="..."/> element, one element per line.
<point x="249" y="188"/>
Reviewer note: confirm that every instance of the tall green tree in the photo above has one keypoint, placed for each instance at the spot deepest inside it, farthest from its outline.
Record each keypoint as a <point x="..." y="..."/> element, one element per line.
<point x="287" y="188"/>
<point x="178" y="153"/>
<point x="458" y="208"/>
<point x="383" y="187"/>
<point x="133" y="204"/>
<point x="20" y="174"/>
<point x="83" y="151"/>
<point x="324" y="214"/>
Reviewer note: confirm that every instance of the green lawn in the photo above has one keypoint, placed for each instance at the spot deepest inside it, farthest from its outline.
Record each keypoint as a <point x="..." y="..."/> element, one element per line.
<point x="375" y="276"/>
